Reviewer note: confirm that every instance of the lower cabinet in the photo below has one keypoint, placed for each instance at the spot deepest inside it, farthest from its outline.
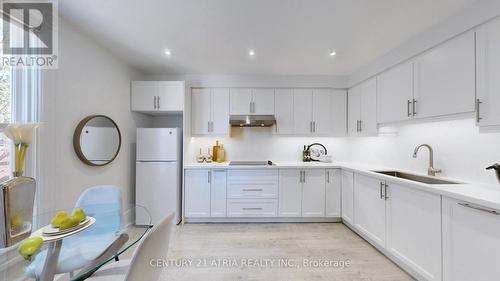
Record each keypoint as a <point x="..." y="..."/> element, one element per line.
<point x="313" y="193"/>
<point x="290" y="190"/>
<point x="218" y="193"/>
<point x="332" y="192"/>
<point x="471" y="243"/>
<point x="348" y="197"/>
<point x="414" y="229"/>
<point x="369" y="208"/>
<point x="197" y="192"/>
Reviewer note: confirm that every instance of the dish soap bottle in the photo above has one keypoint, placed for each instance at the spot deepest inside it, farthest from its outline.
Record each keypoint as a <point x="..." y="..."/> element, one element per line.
<point x="304" y="154"/>
<point x="215" y="151"/>
<point x="200" y="158"/>
<point x="221" y="154"/>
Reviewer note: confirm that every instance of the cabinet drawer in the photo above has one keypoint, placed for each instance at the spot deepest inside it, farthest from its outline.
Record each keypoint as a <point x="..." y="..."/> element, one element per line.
<point x="253" y="176"/>
<point x="252" y="208"/>
<point x="252" y="190"/>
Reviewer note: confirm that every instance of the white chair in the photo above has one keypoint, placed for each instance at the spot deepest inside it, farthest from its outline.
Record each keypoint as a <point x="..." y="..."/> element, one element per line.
<point x="154" y="245"/>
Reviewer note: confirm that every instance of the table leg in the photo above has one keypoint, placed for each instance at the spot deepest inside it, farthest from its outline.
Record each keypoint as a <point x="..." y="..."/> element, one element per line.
<point x="49" y="268"/>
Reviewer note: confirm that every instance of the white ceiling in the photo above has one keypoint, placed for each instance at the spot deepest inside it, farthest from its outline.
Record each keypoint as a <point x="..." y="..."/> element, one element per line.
<point x="290" y="37"/>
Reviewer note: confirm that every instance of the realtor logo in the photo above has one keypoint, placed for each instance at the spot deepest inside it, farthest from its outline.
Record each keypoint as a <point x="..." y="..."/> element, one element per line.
<point x="29" y="31"/>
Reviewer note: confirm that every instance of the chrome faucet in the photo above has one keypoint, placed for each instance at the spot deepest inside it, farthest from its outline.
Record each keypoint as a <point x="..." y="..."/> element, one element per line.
<point x="431" y="171"/>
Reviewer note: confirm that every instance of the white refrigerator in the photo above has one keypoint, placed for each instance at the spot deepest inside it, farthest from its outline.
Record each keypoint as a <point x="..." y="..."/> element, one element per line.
<point x="158" y="174"/>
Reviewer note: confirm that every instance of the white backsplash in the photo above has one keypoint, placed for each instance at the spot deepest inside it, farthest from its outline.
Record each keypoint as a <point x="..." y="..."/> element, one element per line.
<point x="264" y="144"/>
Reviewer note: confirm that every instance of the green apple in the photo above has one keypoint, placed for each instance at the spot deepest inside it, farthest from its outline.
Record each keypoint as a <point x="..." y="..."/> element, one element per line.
<point x="68" y="223"/>
<point x="60" y="217"/>
<point x="30" y="246"/>
<point x="79" y="214"/>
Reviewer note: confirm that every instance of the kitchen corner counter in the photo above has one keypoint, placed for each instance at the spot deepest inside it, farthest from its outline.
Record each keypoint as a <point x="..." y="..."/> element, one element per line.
<point x="476" y="193"/>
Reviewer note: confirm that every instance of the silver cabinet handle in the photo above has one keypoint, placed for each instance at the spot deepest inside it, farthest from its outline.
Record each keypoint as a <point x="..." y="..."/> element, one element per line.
<point x="408" y="108"/>
<point x="483" y="209"/>
<point x="250" y="107"/>
<point x="381" y="187"/>
<point x="212" y="126"/>
<point x="253" y="107"/>
<point x="300" y="176"/>
<point x="252" y="189"/>
<point x="208" y="126"/>
<point x="209" y="176"/>
<point x="154" y="102"/>
<point x="360" y="126"/>
<point x="304" y="176"/>
<point x="327" y="176"/>
<point x="252" y="208"/>
<point x="357" y="126"/>
<point x="385" y="191"/>
<point x="158" y="102"/>
<point x="414" y="107"/>
<point x="314" y="126"/>
<point x="478" y="115"/>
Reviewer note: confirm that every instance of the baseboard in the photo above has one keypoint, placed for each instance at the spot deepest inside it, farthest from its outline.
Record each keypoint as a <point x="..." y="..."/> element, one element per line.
<point x="259" y="220"/>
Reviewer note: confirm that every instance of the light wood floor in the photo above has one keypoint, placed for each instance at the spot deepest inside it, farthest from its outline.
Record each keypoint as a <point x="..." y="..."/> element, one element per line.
<point x="292" y="243"/>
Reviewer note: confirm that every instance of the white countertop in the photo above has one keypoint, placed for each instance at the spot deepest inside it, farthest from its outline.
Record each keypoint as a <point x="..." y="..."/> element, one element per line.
<point x="476" y="193"/>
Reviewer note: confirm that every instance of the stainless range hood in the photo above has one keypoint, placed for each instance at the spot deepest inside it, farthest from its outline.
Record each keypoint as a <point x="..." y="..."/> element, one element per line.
<point x="252" y="120"/>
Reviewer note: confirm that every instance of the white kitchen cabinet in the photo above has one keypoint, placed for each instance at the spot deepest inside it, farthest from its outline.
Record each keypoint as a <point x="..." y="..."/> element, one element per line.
<point x="210" y="111"/>
<point x="338" y="121"/>
<point x="395" y="94"/>
<point x="369" y="208"/>
<point x="218" y="193"/>
<point x="414" y="229"/>
<point x="348" y="197"/>
<point x="157" y="96"/>
<point x="488" y="71"/>
<point x="290" y="193"/>
<point x="444" y="78"/>
<point x="302" y="111"/>
<point x="313" y="193"/>
<point x="471" y="245"/>
<point x="252" y="101"/>
<point x="333" y="192"/>
<point x="329" y="112"/>
<point x="362" y="101"/>
<point x="284" y="111"/>
<point x="197" y="192"/>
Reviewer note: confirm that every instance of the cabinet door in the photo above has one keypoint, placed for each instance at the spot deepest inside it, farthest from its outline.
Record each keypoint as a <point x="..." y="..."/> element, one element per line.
<point x="368" y="123"/>
<point x="263" y="101"/>
<point x="471" y="247"/>
<point x="201" y="104"/>
<point x="220" y="111"/>
<point x="290" y="193"/>
<point x="302" y="111"/>
<point x="322" y="111"/>
<point x="143" y="95"/>
<point x="171" y="95"/>
<point x="414" y="229"/>
<point x="313" y="193"/>
<point x="445" y="78"/>
<point x="339" y="113"/>
<point x="240" y="101"/>
<point x="333" y="187"/>
<point x="348" y="197"/>
<point x="369" y="208"/>
<point x="354" y="110"/>
<point x="218" y="193"/>
<point x="395" y="93"/>
<point x="197" y="189"/>
<point x="284" y="111"/>
<point x="488" y="71"/>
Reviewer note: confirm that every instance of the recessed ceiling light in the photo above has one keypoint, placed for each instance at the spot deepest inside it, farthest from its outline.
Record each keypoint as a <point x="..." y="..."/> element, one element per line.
<point x="168" y="52"/>
<point x="251" y="53"/>
<point x="333" y="53"/>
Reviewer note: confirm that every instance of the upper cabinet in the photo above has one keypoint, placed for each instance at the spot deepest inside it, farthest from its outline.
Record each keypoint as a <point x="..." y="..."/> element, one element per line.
<point x="362" y="101"/>
<point x="157" y="96"/>
<point x="252" y="101"/>
<point x="488" y="71"/>
<point x="395" y="94"/>
<point x="444" y="78"/>
<point x="210" y="111"/>
<point x="311" y="111"/>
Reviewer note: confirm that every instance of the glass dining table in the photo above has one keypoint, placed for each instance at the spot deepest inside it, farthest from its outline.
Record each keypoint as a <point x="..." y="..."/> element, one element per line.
<point x="108" y="234"/>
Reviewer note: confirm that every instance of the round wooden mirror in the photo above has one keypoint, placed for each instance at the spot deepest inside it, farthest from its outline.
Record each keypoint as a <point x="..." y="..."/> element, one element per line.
<point x="97" y="140"/>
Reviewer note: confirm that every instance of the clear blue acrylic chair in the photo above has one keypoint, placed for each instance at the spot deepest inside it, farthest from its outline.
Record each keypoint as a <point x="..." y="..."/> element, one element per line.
<point x="95" y="244"/>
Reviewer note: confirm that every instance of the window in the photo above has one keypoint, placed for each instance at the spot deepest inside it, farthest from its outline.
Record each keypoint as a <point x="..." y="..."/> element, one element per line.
<point x="5" y="119"/>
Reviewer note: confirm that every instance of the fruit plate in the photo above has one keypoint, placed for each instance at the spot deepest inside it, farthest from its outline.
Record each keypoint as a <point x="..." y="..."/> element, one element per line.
<point x="49" y="230"/>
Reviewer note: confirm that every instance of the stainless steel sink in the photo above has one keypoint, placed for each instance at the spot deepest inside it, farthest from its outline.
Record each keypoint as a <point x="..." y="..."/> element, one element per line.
<point x="417" y="178"/>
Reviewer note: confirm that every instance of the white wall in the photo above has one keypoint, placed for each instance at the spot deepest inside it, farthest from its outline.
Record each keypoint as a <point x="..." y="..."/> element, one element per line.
<point x="90" y="80"/>
<point x="263" y="144"/>
<point x="459" y="149"/>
